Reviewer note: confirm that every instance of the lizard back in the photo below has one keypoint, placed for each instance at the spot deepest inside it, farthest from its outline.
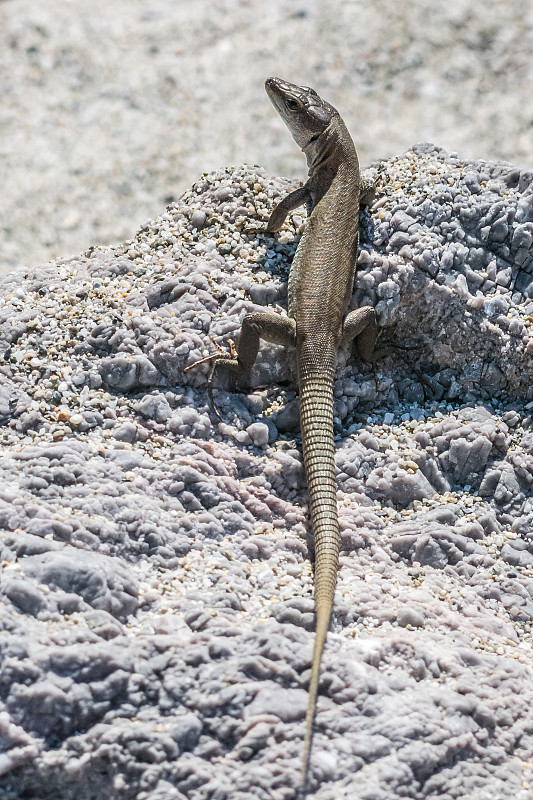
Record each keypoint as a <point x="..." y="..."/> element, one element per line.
<point x="320" y="285"/>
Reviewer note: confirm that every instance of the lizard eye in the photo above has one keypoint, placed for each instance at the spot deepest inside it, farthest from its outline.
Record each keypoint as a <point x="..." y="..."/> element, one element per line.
<point x="293" y="105"/>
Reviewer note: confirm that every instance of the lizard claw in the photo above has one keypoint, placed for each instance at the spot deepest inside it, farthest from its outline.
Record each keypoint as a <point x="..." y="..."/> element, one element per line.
<point x="214" y="356"/>
<point x="213" y="359"/>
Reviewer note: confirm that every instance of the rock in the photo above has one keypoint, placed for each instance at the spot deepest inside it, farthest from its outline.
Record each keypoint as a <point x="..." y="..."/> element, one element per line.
<point x="156" y="594"/>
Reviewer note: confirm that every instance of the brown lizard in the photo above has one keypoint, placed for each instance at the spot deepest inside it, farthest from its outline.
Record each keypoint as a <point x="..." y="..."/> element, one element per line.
<point x="320" y="285"/>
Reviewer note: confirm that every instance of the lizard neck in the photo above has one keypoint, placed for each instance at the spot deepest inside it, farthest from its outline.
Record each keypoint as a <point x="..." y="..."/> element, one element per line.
<point x="333" y="148"/>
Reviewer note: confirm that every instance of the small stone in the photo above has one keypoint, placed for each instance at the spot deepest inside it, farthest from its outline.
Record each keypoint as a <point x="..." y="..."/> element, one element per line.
<point x="127" y="432"/>
<point x="409" y="616"/>
<point x="287" y="419"/>
<point x="258" y="433"/>
<point x="198" y="219"/>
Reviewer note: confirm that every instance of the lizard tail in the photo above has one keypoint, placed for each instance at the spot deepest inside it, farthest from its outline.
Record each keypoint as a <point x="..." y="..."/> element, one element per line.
<point x="322" y="624"/>
<point x="316" y="423"/>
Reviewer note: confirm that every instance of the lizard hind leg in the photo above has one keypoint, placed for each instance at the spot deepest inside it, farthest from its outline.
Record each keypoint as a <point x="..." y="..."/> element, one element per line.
<point x="239" y="361"/>
<point x="361" y="329"/>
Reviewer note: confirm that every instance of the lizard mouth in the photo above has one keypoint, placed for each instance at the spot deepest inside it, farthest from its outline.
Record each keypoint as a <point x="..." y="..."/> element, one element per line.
<point x="275" y="89"/>
<point x="278" y="90"/>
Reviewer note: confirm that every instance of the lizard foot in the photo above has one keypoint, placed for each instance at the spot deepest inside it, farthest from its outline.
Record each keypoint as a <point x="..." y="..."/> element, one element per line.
<point x="230" y="359"/>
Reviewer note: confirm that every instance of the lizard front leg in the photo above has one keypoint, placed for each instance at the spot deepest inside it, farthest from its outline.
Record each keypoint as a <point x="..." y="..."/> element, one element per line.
<point x="290" y="202"/>
<point x="255" y="326"/>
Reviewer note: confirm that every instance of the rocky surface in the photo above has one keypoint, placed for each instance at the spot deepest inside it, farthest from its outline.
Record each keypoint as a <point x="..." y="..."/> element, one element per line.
<point x="156" y="605"/>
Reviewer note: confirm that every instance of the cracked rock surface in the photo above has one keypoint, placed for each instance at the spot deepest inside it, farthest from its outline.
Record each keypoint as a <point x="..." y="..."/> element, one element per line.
<point x="156" y="592"/>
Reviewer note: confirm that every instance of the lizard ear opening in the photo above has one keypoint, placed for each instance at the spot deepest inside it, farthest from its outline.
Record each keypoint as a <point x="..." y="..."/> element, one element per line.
<point x="321" y="116"/>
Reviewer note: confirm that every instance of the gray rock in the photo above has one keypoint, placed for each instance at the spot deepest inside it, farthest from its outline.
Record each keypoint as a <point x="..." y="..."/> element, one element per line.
<point x="154" y="407"/>
<point x="126" y="432"/>
<point x="156" y="596"/>
<point x="198" y="219"/>
<point x="286" y="704"/>
<point x="13" y="401"/>
<point x="125" y="374"/>
<point x="258" y="433"/>
<point x="101" y="582"/>
<point x="288" y="418"/>
<point x="410" y="617"/>
<point x="23" y="595"/>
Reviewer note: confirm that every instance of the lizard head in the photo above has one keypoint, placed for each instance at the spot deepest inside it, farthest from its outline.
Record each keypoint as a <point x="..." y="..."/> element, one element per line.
<point x="304" y="113"/>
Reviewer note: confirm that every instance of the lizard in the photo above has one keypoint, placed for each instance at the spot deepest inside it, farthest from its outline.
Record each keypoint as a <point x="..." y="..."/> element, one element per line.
<point x="320" y="285"/>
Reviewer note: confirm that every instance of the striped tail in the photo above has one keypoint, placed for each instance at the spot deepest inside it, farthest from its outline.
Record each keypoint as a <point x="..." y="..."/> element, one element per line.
<point x="316" y="424"/>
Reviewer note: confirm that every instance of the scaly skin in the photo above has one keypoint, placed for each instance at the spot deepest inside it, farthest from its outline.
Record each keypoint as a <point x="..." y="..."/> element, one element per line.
<point x="320" y="286"/>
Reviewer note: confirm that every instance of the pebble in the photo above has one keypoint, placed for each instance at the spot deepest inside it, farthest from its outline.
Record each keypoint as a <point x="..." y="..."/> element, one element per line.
<point x="410" y="617"/>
